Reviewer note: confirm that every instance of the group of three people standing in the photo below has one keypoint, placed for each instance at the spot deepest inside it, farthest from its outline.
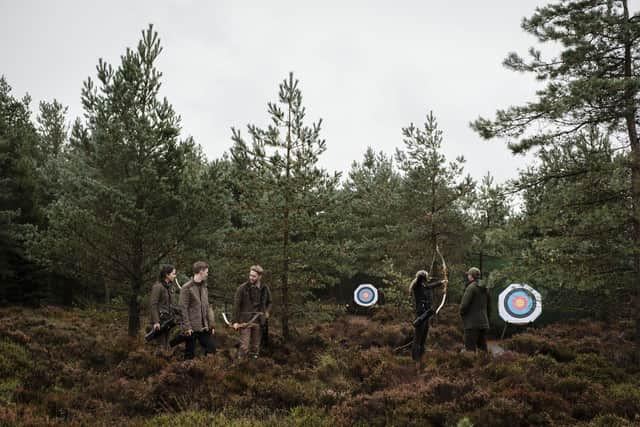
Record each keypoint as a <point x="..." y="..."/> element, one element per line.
<point x="251" y="308"/>
<point x="474" y="310"/>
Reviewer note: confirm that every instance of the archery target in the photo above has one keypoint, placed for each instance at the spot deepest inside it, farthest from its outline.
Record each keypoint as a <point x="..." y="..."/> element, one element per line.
<point x="365" y="295"/>
<point x="519" y="304"/>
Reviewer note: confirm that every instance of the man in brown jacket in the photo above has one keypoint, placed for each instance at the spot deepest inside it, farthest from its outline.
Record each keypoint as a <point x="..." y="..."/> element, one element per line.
<point x="161" y="309"/>
<point x="197" y="318"/>
<point x="251" y="307"/>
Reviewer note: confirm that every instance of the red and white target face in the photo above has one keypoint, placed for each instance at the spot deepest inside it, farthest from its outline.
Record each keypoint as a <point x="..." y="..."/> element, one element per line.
<point x="519" y="304"/>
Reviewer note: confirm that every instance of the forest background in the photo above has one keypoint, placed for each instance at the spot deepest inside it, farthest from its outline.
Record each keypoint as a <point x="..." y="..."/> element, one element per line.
<point x="91" y="207"/>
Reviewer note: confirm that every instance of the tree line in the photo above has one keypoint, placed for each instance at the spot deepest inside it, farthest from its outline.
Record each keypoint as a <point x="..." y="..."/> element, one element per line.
<point x="90" y="209"/>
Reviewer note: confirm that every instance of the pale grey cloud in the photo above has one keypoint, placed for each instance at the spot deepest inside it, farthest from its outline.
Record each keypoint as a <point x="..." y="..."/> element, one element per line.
<point x="366" y="68"/>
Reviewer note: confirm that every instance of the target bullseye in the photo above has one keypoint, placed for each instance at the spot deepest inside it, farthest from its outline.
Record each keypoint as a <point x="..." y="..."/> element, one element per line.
<point x="365" y="295"/>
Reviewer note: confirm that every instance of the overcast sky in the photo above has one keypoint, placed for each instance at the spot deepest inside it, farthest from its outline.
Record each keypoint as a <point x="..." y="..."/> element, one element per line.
<point x="366" y="68"/>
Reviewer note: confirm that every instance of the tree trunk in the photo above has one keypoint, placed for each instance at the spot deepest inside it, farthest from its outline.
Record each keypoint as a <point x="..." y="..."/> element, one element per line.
<point x="285" y="276"/>
<point x="285" y="236"/>
<point x="136" y="286"/>
<point x="107" y="294"/>
<point x="134" y="308"/>
<point x="630" y="117"/>
<point x="635" y="201"/>
<point x="68" y="288"/>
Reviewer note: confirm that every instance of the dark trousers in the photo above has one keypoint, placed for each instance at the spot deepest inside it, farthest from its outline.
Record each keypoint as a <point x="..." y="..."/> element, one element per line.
<point x="206" y="341"/>
<point x="417" y="350"/>
<point x="475" y="339"/>
<point x="178" y="339"/>
<point x="163" y="342"/>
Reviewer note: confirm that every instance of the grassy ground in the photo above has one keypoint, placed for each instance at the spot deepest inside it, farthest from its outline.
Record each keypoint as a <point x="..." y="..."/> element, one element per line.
<point x="77" y="367"/>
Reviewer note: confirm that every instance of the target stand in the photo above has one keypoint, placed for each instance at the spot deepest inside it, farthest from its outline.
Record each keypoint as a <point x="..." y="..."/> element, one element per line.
<point x="519" y="304"/>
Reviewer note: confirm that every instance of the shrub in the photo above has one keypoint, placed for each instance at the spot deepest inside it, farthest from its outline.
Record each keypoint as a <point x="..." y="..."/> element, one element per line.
<point x="498" y="370"/>
<point x="140" y="364"/>
<point x="532" y="345"/>
<point x="610" y="420"/>
<point x="502" y="412"/>
<point x="571" y="387"/>
<point x="596" y="368"/>
<point x="626" y="397"/>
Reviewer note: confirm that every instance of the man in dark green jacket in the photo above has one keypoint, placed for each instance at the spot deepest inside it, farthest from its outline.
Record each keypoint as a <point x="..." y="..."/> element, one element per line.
<point x="474" y="310"/>
<point x="251" y="308"/>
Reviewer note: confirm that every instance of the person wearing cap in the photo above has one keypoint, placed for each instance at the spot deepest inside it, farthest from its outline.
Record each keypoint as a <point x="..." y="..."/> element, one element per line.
<point x="474" y="310"/>
<point x="423" y="293"/>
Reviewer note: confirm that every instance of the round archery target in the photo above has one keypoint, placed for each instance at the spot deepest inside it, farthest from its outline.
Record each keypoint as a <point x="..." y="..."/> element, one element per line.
<point x="519" y="304"/>
<point x="365" y="295"/>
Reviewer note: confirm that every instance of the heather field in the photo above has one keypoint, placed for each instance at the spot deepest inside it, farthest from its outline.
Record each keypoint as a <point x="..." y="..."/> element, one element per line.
<point x="77" y="367"/>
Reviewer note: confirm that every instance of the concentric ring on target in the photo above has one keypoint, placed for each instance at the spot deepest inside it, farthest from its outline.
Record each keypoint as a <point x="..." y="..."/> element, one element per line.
<point x="365" y="295"/>
<point x="519" y="304"/>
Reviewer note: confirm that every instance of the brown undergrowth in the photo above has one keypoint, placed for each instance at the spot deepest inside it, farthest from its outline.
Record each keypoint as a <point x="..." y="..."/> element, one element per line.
<point x="77" y="367"/>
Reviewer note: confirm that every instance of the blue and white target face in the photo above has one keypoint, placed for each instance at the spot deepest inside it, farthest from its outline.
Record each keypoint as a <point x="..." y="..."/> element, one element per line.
<point x="519" y="304"/>
<point x="365" y="295"/>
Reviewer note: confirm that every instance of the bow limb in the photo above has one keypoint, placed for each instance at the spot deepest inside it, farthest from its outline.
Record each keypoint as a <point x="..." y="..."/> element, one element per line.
<point x="241" y="325"/>
<point x="226" y="320"/>
<point x="445" y="277"/>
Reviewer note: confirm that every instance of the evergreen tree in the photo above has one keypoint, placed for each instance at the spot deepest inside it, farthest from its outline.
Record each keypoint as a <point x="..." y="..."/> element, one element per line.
<point x="432" y="196"/>
<point x="372" y="195"/>
<point x="131" y="191"/>
<point x="287" y="197"/>
<point x="489" y="212"/>
<point x="573" y="231"/>
<point x="593" y="82"/>
<point x="19" y="207"/>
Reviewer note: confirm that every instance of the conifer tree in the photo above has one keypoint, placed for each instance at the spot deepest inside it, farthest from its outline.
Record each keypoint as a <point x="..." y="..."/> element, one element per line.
<point x="594" y="81"/>
<point x="433" y="192"/>
<point x="288" y="198"/>
<point x="19" y="207"/>
<point x="131" y="190"/>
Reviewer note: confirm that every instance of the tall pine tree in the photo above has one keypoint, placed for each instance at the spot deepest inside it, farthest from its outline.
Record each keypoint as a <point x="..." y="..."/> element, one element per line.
<point x="593" y="82"/>
<point x="289" y="197"/>
<point x="432" y="193"/>
<point x="131" y="190"/>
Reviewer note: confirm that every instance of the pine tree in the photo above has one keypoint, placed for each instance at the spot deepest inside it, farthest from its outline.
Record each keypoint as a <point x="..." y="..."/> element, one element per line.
<point x="131" y="190"/>
<point x="19" y="206"/>
<point x="574" y="229"/>
<point x="372" y="195"/>
<point x="288" y="197"/>
<point x="489" y="212"/>
<point x="593" y="82"/>
<point x="432" y="195"/>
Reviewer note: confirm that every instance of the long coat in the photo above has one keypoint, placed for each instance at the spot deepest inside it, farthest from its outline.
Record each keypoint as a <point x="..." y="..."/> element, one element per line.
<point x="474" y="307"/>
<point x="194" y="304"/>
<point x="160" y="302"/>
